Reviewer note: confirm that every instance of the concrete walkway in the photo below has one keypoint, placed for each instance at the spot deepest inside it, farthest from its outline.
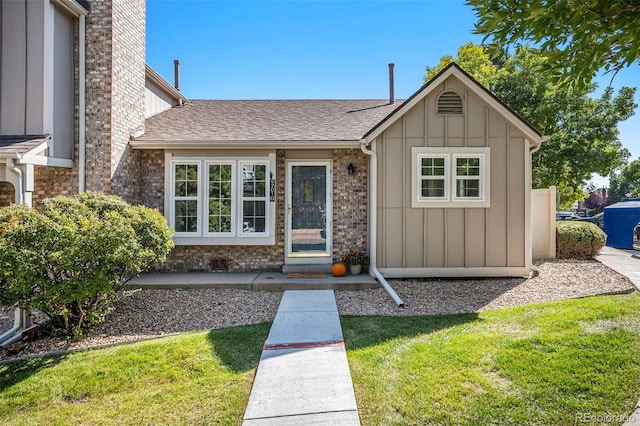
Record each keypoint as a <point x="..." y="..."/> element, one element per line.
<point x="303" y="377"/>
<point x="625" y="262"/>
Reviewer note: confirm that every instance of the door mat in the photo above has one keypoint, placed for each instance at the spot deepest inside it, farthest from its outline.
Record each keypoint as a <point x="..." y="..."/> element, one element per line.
<point x="306" y="275"/>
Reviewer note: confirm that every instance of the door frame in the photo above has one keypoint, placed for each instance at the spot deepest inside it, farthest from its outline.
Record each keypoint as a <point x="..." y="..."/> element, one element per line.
<point x="308" y="258"/>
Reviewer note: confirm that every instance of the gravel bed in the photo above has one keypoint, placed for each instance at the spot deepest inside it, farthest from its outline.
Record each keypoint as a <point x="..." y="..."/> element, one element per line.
<point x="153" y="313"/>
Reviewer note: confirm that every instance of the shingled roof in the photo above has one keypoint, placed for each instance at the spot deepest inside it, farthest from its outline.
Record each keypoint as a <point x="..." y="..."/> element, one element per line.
<point x="266" y="120"/>
<point x="17" y="145"/>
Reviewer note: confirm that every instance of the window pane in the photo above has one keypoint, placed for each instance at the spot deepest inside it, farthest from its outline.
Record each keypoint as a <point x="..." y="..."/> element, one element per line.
<point x="433" y="167"/>
<point x="254" y="180"/>
<point x="253" y="218"/>
<point x="186" y="180"/>
<point x="186" y="215"/>
<point x="467" y="166"/>
<point x="432" y="188"/>
<point x="468" y="188"/>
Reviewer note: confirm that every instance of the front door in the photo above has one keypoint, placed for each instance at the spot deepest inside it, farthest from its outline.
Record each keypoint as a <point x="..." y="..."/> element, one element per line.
<point x="308" y="212"/>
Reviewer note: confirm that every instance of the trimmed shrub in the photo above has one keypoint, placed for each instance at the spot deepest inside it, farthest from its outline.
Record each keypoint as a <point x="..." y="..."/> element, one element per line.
<point x="578" y="240"/>
<point x="70" y="260"/>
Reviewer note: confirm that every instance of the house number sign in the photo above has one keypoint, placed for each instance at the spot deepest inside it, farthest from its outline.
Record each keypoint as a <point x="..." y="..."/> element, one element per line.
<point x="272" y="189"/>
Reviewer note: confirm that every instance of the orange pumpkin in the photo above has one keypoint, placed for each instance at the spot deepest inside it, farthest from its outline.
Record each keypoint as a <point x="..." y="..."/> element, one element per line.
<point x="339" y="270"/>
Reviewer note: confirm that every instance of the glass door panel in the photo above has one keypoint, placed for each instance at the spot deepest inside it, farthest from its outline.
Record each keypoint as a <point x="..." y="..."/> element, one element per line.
<point x="308" y="210"/>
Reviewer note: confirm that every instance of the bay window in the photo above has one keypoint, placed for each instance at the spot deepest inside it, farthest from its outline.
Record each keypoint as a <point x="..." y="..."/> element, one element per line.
<point x="218" y="201"/>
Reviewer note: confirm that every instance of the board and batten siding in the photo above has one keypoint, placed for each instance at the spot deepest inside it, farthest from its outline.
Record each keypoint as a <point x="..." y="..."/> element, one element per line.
<point x="452" y="241"/>
<point x="37" y="73"/>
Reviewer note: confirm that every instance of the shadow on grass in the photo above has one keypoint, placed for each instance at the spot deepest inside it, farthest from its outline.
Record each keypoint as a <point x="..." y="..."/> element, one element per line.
<point x="239" y="348"/>
<point x="13" y="372"/>
<point x="363" y="331"/>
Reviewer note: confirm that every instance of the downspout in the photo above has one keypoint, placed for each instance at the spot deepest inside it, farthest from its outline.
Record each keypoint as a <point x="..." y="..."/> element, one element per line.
<point x="81" y="105"/>
<point x="20" y="319"/>
<point x="19" y="325"/>
<point x="373" y="269"/>
<point x="11" y="164"/>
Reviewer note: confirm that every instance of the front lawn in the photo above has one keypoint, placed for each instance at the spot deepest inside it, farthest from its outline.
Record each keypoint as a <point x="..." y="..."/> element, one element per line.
<point x="539" y="364"/>
<point x="550" y="363"/>
<point x="195" y="378"/>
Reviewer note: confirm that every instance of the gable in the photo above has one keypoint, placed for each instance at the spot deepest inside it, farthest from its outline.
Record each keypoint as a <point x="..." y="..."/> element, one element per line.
<point x="475" y="98"/>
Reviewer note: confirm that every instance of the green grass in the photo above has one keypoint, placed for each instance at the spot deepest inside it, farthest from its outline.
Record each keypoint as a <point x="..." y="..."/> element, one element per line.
<point x="537" y="364"/>
<point x="195" y="378"/>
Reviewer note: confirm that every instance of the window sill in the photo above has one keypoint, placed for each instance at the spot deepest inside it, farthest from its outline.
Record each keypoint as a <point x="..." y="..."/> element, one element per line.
<point x="224" y="241"/>
<point x="451" y="204"/>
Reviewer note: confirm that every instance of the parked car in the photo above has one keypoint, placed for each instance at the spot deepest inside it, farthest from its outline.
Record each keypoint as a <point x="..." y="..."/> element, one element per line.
<point x="566" y="216"/>
<point x="597" y="219"/>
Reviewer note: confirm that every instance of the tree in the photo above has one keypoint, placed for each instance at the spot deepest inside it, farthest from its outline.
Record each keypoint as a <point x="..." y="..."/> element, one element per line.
<point x="582" y="131"/>
<point x="626" y="182"/>
<point x="71" y="260"/>
<point x="472" y="58"/>
<point x="578" y="38"/>
<point x="597" y="199"/>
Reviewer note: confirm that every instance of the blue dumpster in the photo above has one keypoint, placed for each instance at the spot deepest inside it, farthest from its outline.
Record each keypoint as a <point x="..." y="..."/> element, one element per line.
<point x="619" y="221"/>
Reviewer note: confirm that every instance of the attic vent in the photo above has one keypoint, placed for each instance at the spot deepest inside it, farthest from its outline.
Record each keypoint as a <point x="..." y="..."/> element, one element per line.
<point x="449" y="103"/>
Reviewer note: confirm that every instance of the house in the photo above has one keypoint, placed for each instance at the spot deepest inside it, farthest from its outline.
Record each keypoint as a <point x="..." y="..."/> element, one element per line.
<point x="437" y="185"/>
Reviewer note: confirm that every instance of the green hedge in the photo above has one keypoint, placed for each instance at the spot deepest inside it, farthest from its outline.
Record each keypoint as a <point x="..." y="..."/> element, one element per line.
<point x="578" y="240"/>
<point x="70" y="259"/>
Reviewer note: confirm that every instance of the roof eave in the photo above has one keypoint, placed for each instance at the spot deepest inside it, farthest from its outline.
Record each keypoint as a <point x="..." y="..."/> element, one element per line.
<point x="163" y="84"/>
<point x="72" y="6"/>
<point x="245" y="144"/>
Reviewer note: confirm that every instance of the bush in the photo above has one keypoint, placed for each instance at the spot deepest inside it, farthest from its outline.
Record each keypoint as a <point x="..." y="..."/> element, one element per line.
<point x="70" y="260"/>
<point x="578" y="240"/>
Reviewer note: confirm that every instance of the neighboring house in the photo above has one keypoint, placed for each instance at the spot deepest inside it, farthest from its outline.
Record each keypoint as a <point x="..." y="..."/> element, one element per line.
<point x="437" y="185"/>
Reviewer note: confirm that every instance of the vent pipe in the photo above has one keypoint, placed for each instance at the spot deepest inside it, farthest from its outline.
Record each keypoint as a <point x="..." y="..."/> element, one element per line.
<point x="391" y="97"/>
<point x="176" y="73"/>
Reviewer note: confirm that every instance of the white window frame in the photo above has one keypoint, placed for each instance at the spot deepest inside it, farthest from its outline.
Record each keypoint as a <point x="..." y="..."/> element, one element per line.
<point x="421" y="177"/>
<point x="242" y="199"/>
<point x="237" y="236"/>
<point x="450" y="199"/>
<point x="175" y="198"/>
<point x="456" y="177"/>
<point x="205" y="198"/>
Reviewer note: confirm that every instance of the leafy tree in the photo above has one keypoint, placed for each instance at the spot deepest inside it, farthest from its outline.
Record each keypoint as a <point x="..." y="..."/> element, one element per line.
<point x="582" y="131"/>
<point x="71" y="260"/>
<point x="578" y="38"/>
<point x="626" y="182"/>
<point x="472" y="58"/>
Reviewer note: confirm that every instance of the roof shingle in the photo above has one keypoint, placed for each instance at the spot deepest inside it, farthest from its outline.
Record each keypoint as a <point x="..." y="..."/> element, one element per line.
<point x="21" y="144"/>
<point x="268" y="120"/>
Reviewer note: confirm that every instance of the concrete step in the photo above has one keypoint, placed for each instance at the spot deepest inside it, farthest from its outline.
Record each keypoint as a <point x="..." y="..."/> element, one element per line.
<point x="307" y="268"/>
<point x="267" y="281"/>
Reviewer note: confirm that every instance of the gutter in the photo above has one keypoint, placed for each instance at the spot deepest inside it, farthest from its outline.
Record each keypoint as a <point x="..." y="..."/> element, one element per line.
<point x="373" y="270"/>
<point x="538" y="145"/>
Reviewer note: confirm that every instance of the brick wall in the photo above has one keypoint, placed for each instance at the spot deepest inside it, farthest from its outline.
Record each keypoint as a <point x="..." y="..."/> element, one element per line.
<point x="350" y="202"/>
<point x="7" y="194"/>
<point x="128" y="95"/>
<point x="349" y="216"/>
<point x="115" y="95"/>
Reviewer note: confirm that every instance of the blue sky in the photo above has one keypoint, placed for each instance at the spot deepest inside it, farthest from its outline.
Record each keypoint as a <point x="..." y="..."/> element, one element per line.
<point x="315" y="49"/>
